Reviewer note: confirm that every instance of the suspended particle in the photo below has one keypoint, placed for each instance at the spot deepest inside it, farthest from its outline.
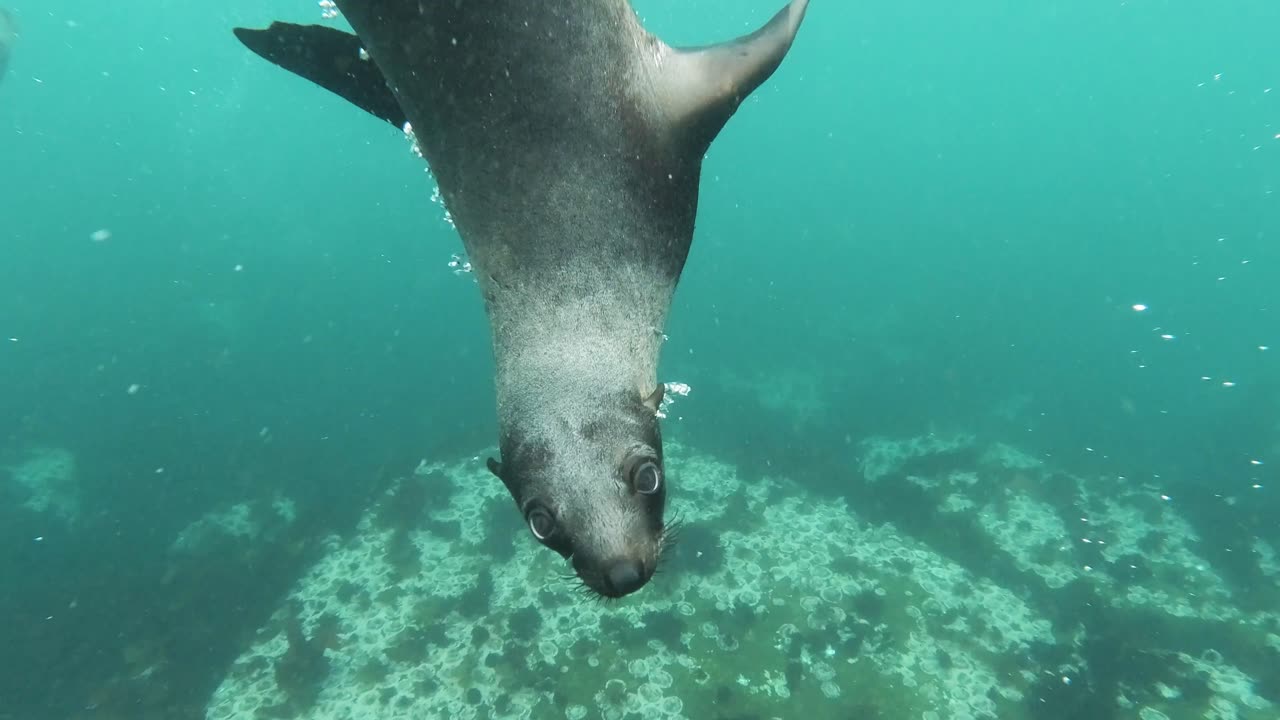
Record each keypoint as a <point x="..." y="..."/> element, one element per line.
<point x="460" y="265"/>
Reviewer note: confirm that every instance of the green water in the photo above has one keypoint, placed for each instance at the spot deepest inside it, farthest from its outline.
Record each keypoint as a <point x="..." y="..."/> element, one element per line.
<point x="219" y="283"/>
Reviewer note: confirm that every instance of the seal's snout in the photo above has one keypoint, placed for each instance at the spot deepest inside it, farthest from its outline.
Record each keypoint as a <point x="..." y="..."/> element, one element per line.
<point x="613" y="578"/>
<point x="624" y="577"/>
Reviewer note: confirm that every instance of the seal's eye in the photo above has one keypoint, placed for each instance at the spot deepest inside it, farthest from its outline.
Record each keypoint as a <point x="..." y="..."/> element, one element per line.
<point x="646" y="477"/>
<point x="541" y="522"/>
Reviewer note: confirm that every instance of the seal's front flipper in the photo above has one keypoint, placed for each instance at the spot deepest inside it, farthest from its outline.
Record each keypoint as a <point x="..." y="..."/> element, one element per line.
<point x="701" y="88"/>
<point x="330" y="58"/>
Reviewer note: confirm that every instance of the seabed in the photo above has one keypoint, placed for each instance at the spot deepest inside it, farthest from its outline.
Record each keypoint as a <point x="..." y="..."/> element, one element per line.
<point x="990" y="585"/>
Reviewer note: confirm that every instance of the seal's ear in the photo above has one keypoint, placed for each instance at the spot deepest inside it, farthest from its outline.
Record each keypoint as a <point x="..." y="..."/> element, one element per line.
<point x="654" y="401"/>
<point x="495" y="467"/>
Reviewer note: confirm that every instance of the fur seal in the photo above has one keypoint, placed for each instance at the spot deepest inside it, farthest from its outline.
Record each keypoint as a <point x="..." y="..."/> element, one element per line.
<point x="8" y="36"/>
<point x="567" y="143"/>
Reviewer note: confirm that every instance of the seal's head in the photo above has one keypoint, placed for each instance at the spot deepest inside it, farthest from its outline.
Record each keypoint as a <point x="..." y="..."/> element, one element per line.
<point x="593" y="489"/>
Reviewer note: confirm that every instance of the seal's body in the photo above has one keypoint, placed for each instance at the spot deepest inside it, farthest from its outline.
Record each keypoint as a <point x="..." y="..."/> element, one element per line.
<point x="8" y="36"/>
<point x="567" y="143"/>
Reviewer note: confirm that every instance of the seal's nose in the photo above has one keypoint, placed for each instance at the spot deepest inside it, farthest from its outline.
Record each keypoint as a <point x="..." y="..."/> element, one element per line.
<point x="624" y="576"/>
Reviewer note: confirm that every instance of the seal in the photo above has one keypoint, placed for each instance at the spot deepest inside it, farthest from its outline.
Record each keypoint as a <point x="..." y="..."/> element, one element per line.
<point x="567" y="143"/>
<point x="8" y="36"/>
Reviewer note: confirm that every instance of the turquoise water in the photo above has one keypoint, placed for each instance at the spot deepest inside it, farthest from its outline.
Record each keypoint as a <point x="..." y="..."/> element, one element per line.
<point x="222" y="288"/>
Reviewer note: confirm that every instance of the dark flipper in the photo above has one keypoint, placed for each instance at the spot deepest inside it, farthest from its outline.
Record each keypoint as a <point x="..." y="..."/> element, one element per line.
<point x="331" y="59"/>
<point x="703" y="87"/>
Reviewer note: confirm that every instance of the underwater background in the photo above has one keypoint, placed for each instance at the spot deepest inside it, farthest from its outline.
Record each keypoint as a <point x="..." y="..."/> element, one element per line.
<point x="980" y="323"/>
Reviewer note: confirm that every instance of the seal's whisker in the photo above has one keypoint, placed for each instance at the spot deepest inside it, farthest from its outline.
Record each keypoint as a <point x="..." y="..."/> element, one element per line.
<point x="672" y="533"/>
<point x="670" y="537"/>
<point x="581" y="595"/>
<point x="675" y="523"/>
